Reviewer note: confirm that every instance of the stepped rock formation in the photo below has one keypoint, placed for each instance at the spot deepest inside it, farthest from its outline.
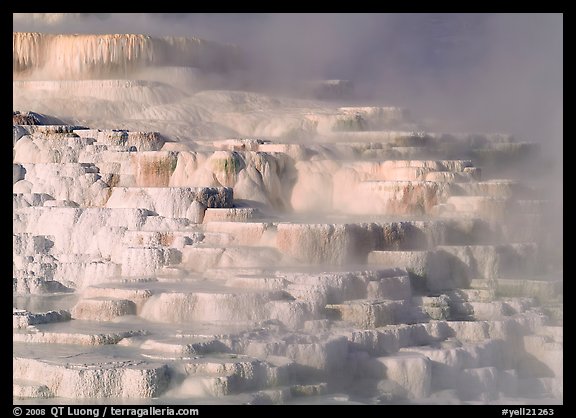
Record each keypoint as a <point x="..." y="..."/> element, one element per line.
<point x="232" y="247"/>
<point x="79" y="56"/>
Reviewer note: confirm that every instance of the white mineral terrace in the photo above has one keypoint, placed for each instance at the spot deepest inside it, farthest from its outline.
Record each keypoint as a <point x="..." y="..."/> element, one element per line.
<point x="230" y="247"/>
<point x="85" y="56"/>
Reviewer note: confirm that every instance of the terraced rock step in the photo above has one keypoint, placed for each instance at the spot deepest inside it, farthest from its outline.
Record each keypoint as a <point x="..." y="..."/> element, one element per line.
<point x="169" y="202"/>
<point x="120" y="379"/>
<point x="227" y="247"/>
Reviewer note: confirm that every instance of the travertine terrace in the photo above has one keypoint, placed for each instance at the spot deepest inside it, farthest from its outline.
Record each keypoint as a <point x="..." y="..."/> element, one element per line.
<point x="175" y="244"/>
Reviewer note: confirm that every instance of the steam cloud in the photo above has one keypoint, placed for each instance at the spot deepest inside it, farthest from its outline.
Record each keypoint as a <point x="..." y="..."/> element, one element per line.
<point x="499" y="72"/>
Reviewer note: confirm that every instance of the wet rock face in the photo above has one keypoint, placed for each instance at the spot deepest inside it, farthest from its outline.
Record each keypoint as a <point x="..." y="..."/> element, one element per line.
<point x="321" y="243"/>
<point x="229" y="246"/>
<point x="33" y="118"/>
<point x="108" y="56"/>
<point x="28" y="118"/>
